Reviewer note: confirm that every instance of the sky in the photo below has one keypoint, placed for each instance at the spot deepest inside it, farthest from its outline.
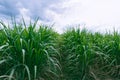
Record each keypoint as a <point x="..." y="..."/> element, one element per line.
<point x="95" y="15"/>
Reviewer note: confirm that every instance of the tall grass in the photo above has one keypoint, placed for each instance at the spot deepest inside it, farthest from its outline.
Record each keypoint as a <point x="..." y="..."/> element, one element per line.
<point x="31" y="53"/>
<point x="88" y="56"/>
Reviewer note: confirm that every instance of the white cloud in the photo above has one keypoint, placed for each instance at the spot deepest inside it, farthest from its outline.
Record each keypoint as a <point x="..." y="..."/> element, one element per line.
<point x="25" y="14"/>
<point x="102" y="13"/>
<point x="98" y="15"/>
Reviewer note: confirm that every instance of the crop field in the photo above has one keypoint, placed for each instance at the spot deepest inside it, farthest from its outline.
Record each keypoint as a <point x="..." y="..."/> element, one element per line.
<point x="30" y="53"/>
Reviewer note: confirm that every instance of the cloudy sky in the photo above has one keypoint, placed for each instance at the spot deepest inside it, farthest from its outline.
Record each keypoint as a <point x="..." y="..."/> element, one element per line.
<point x="95" y="15"/>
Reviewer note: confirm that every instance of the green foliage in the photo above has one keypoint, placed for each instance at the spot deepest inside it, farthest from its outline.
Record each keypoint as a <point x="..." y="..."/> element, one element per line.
<point x="39" y="53"/>
<point x="88" y="56"/>
<point x="30" y="52"/>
